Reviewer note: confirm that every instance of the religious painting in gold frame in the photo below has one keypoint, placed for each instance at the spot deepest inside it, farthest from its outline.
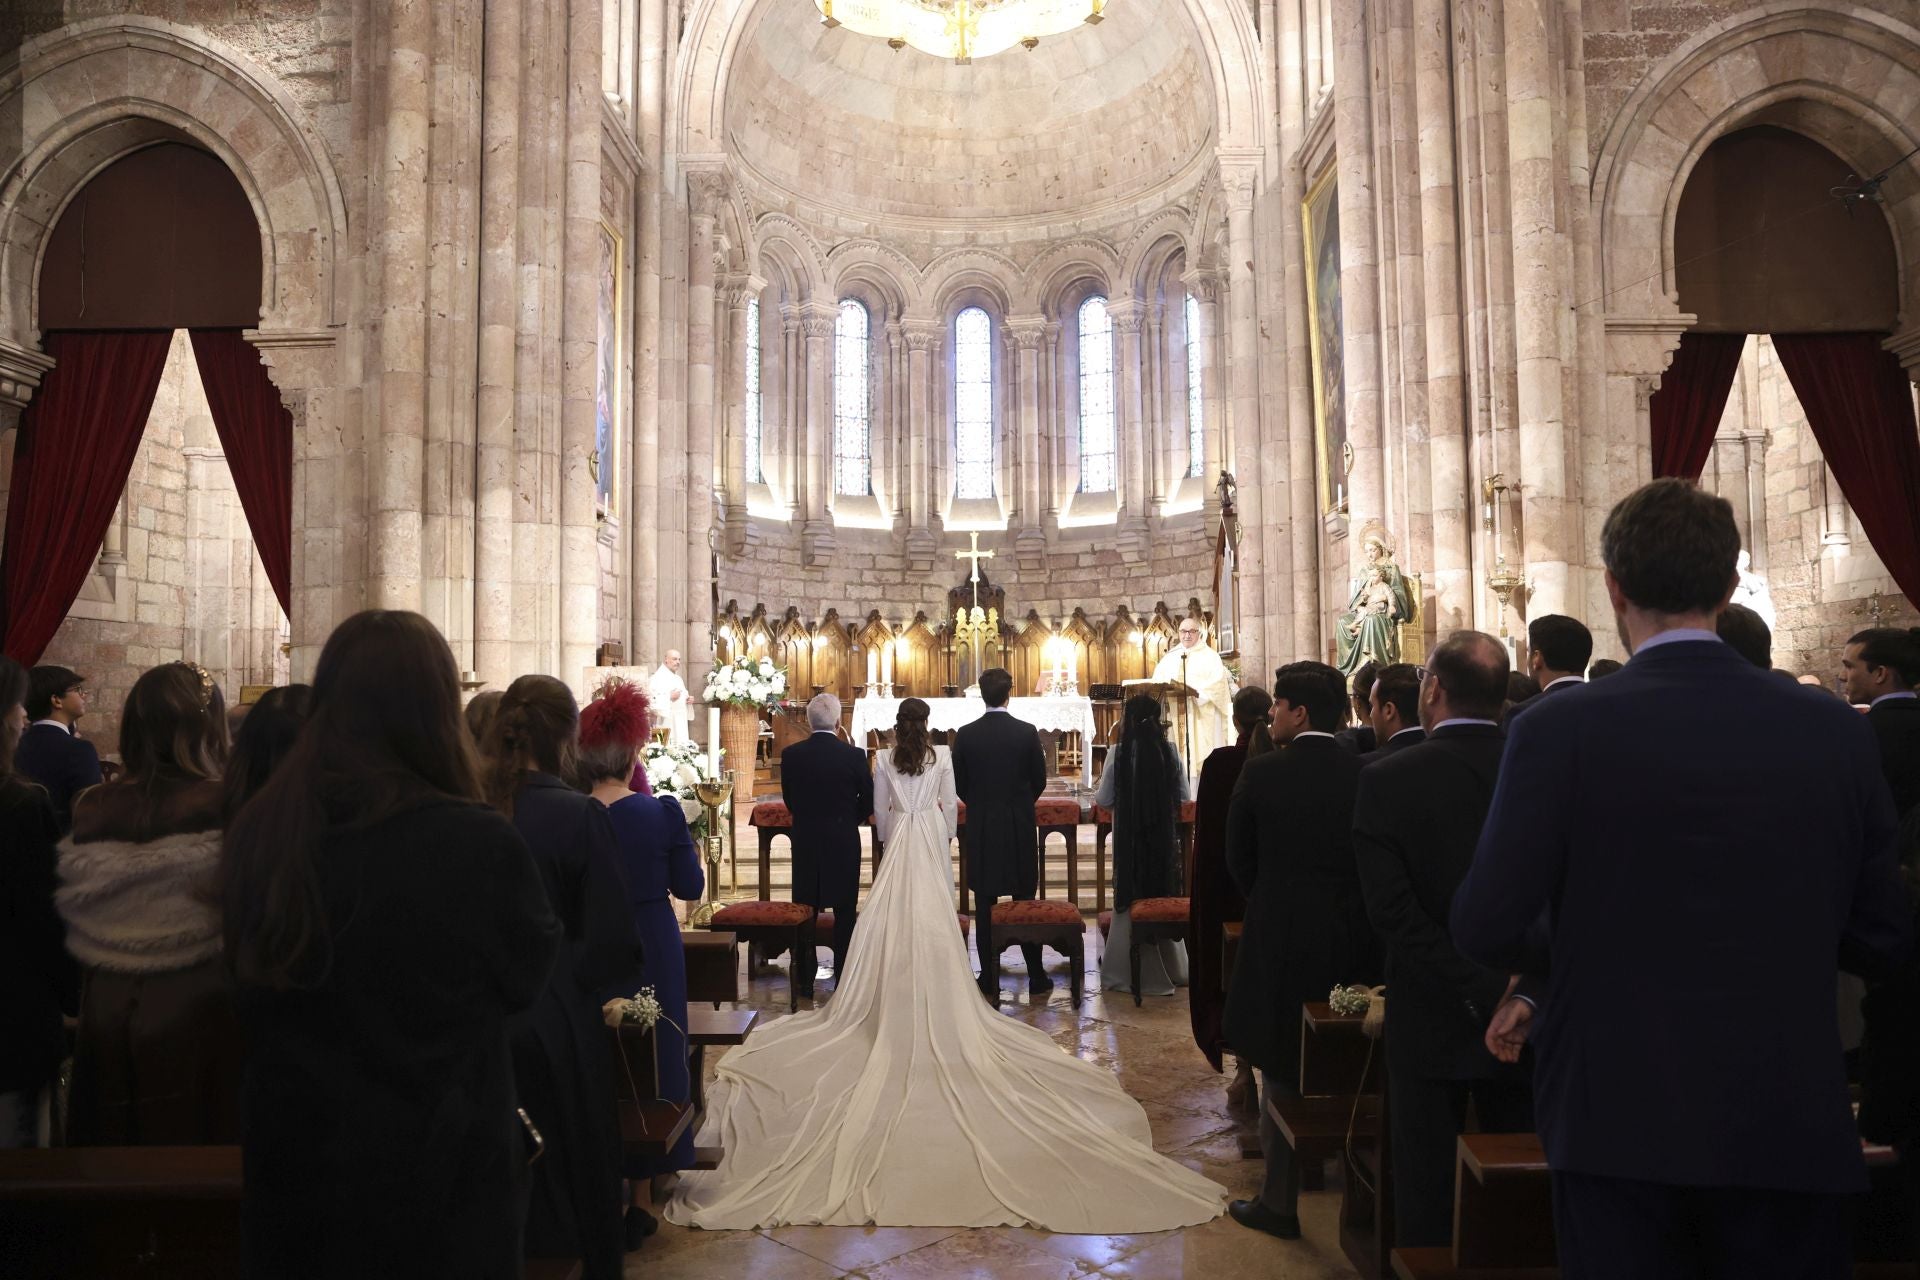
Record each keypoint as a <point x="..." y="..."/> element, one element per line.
<point x="1320" y="218"/>
<point x="606" y="381"/>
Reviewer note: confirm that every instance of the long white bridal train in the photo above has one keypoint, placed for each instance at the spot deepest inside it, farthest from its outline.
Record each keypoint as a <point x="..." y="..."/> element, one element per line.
<point x="907" y="1101"/>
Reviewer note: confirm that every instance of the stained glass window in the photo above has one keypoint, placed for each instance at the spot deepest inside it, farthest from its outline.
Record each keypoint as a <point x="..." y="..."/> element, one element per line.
<point x="973" y="404"/>
<point x="852" y="424"/>
<point x="1196" y="441"/>
<point x="756" y="472"/>
<point x="1096" y="397"/>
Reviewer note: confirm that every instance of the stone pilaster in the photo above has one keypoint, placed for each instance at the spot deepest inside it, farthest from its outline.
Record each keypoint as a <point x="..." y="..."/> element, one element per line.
<point x="739" y="291"/>
<point x="1134" y="536"/>
<point x="922" y="337"/>
<point x="1030" y="538"/>
<point x="1243" y="435"/>
<point x="1205" y="288"/>
<point x="816" y="533"/>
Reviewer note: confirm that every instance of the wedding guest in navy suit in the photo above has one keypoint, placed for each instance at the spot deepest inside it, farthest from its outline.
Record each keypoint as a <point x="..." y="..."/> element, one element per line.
<point x="51" y="752"/>
<point x="1689" y="908"/>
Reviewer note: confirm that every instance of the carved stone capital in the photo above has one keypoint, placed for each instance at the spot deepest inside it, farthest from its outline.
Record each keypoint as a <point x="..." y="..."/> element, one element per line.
<point x="1905" y="346"/>
<point x="21" y="369"/>
<point x="1128" y="314"/>
<point x="740" y="290"/>
<point x="1205" y="286"/>
<point x="296" y="359"/>
<point x="816" y="326"/>
<point x="1027" y="333"/>
<point x="706" y="191"/>
<point x="1237" y="184"/>
<point x="921" y="335"/>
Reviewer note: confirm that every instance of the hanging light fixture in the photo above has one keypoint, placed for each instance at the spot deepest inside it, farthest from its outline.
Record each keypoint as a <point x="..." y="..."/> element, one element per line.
<point x="960" y="29"/>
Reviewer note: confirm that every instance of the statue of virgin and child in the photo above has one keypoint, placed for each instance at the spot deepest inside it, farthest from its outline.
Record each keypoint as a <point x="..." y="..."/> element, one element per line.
<point x="1382" y="599"/>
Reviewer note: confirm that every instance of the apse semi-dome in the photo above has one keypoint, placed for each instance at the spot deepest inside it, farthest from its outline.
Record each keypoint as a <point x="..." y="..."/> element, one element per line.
<point x="1094" y="116"/>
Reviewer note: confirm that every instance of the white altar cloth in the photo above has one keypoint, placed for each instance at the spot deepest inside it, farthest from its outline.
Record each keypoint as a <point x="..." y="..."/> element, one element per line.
<point x="1048" y="715"/>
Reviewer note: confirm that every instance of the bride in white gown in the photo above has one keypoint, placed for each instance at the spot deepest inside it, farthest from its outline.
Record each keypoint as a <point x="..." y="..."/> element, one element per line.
<point x="907" y="1101"/>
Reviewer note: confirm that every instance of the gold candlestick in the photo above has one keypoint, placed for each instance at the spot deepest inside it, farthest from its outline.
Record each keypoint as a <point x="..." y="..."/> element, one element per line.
<point x="711" y="795"/>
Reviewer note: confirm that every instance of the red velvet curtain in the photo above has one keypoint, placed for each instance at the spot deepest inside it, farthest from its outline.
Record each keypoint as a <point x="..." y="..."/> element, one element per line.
<point x="1693" y="394"/>
<point x="71" y="459"/>
<point x="256" y="433"/>
<point x="1859" y="403"/>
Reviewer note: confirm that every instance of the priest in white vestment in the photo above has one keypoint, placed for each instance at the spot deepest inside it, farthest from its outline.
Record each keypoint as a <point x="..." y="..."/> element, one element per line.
<point x="667" y="697"/>
<point x="1210" y="711"/>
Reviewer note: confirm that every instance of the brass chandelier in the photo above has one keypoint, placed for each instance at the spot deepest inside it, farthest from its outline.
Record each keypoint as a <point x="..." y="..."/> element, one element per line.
<point x="959" y="29"/>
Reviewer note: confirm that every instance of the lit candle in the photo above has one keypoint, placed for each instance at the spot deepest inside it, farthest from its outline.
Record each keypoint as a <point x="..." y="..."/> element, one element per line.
<point x="713" y="741"/>
<point x="886" y="664"/>
<point x="873" y="667"/>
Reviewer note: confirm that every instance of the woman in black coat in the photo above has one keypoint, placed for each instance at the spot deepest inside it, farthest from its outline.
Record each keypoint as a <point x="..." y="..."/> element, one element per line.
<point x="563" y="1053"/>
<point x="382" y="926"/>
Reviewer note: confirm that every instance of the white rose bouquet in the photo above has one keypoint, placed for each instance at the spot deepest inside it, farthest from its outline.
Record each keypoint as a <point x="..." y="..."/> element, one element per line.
<point x="746" y="682"/>
<point x="674" y="771"/>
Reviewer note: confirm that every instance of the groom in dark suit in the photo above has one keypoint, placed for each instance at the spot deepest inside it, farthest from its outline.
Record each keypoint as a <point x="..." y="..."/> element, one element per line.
<point x="829" y="791"/>
<point x="999" y="771"/>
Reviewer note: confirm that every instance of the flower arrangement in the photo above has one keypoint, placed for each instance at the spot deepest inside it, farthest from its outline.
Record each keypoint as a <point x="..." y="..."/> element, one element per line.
<point x="746" y="682"/>
<point x="642" y="1008"/>
<point x="673" y="771"/>
<point x="1350" y="1000"/>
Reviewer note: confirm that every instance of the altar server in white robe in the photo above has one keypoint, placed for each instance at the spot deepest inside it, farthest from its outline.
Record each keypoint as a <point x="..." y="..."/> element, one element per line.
<point x="1210" y="712"/>
<point x="669" y="704"/>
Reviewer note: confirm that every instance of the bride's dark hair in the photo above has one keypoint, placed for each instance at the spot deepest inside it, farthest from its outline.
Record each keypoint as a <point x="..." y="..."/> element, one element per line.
<point x="912" y="746"/>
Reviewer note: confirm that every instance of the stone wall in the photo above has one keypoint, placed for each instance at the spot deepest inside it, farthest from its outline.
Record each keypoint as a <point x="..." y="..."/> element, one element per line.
<point x="178" y="576"/>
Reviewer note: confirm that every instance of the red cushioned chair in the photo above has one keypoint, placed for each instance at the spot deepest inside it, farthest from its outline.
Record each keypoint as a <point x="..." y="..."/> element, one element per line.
<point x="772" y="927"/>
<point x="1046" y="923"/>
<point x="1060" y="815"/>
<point x="1155" y="920"/>
<point x="770" y="818"/>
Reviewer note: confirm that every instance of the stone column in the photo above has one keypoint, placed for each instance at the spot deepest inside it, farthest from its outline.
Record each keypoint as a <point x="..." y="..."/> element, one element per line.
<point x="1755" y="442"/>
<point x="643" y="509"/>
<point x="1359" y="270"/>
<point x="793" y="392"/>
<point x="580" y="345"/>
<point x="499" y="303"/>
<point x="1450" y="466"/>
<point x="816" y="534"/>
<point x="1054" y="446"/>
<point x="740" y="290"/>
<point x="1030" y="541"/>
<point x="1204" y="286"/>
<point x="1243" y="421"/>
<point x="400" y="355"/>
<point x="921" y="337"/>
<point x="1128" y="317"/>
<point x="328" y="581"/>
<point x="1530" y="49"/>
<point x="534" y="572"/>
<point x="706" y="193"/>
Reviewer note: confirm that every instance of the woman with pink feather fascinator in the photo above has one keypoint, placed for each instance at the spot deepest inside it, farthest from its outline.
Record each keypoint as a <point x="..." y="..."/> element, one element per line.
<point x="658" y="862"/>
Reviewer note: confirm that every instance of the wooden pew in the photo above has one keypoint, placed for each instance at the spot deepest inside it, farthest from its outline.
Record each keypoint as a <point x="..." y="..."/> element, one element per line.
<point x="713" y="1027"/>
<point x="1343" y="1089"/>
<point x="104" y="1213"/>
<point x="713" y="967"/>
<point x="1503" y="1217"/>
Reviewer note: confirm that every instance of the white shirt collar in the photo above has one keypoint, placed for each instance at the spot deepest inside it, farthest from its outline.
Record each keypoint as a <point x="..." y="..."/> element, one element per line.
<point x="66" y="728"/>
<point x="1447" y="724"/>
<point x="1002" y="710"/>
<point x="831" y="733"/>
<point x="1677" y="635"/>
<point x="1569" y="680"/>
<point x="1888" y="697"/>
<point x="1310" y="733"/>
<point x="1404" y="732"/>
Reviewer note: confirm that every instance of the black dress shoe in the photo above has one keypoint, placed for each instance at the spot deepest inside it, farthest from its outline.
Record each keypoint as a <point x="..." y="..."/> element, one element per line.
<point x="1039" y="985"/>
<point x="639" y="1225"/>
<point x="1251" y="1213"/>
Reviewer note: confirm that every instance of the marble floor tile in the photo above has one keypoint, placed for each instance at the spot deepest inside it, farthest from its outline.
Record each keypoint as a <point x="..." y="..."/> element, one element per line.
<point x="979" y="1254"/>
<point x="731" y="1255"/>
<point x="851" y="1248"/>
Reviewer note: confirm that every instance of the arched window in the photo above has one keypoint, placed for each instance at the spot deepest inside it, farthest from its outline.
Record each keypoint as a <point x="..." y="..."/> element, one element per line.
<point x="1196" y="441"/>
<point x="852" y="423"/>
<point x="973" y="404"/>
<point x="756" y="470"/>
<point x="1096" y="397"/>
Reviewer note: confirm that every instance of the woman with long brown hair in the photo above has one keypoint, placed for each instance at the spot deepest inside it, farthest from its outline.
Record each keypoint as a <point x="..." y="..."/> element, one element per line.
<point x="156" y="1060"/>
<point x="382" y="926"/>
<point x="562" y="1056"/>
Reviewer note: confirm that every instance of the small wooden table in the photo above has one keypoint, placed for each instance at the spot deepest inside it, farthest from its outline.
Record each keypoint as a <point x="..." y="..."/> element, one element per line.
<point x="712" y="1026"/>
<point x="648" y="1130"/>
<point x="1334" y="1053"/>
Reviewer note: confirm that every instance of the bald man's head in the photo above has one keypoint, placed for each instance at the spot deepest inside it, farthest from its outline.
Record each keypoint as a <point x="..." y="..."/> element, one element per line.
<point x="1466" y="679"/>
<point x="673" y="660"/>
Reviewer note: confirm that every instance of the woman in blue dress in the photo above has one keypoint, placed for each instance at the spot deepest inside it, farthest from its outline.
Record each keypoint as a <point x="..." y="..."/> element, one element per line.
<point x="657" y="859"/>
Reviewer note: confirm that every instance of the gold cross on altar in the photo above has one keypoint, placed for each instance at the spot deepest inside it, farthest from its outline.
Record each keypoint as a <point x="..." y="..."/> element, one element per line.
<point x="976" y="555"/>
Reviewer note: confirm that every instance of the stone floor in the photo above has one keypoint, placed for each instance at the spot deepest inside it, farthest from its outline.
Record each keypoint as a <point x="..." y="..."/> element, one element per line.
<point x="1151" y="1050"/>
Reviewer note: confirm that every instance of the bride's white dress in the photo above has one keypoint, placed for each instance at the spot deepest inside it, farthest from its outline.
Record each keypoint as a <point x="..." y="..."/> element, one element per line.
<point x="907" y="1101"/>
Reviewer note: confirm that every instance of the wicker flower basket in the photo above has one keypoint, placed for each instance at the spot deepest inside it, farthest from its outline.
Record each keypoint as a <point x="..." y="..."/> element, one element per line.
<point x="740" y="739"/>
